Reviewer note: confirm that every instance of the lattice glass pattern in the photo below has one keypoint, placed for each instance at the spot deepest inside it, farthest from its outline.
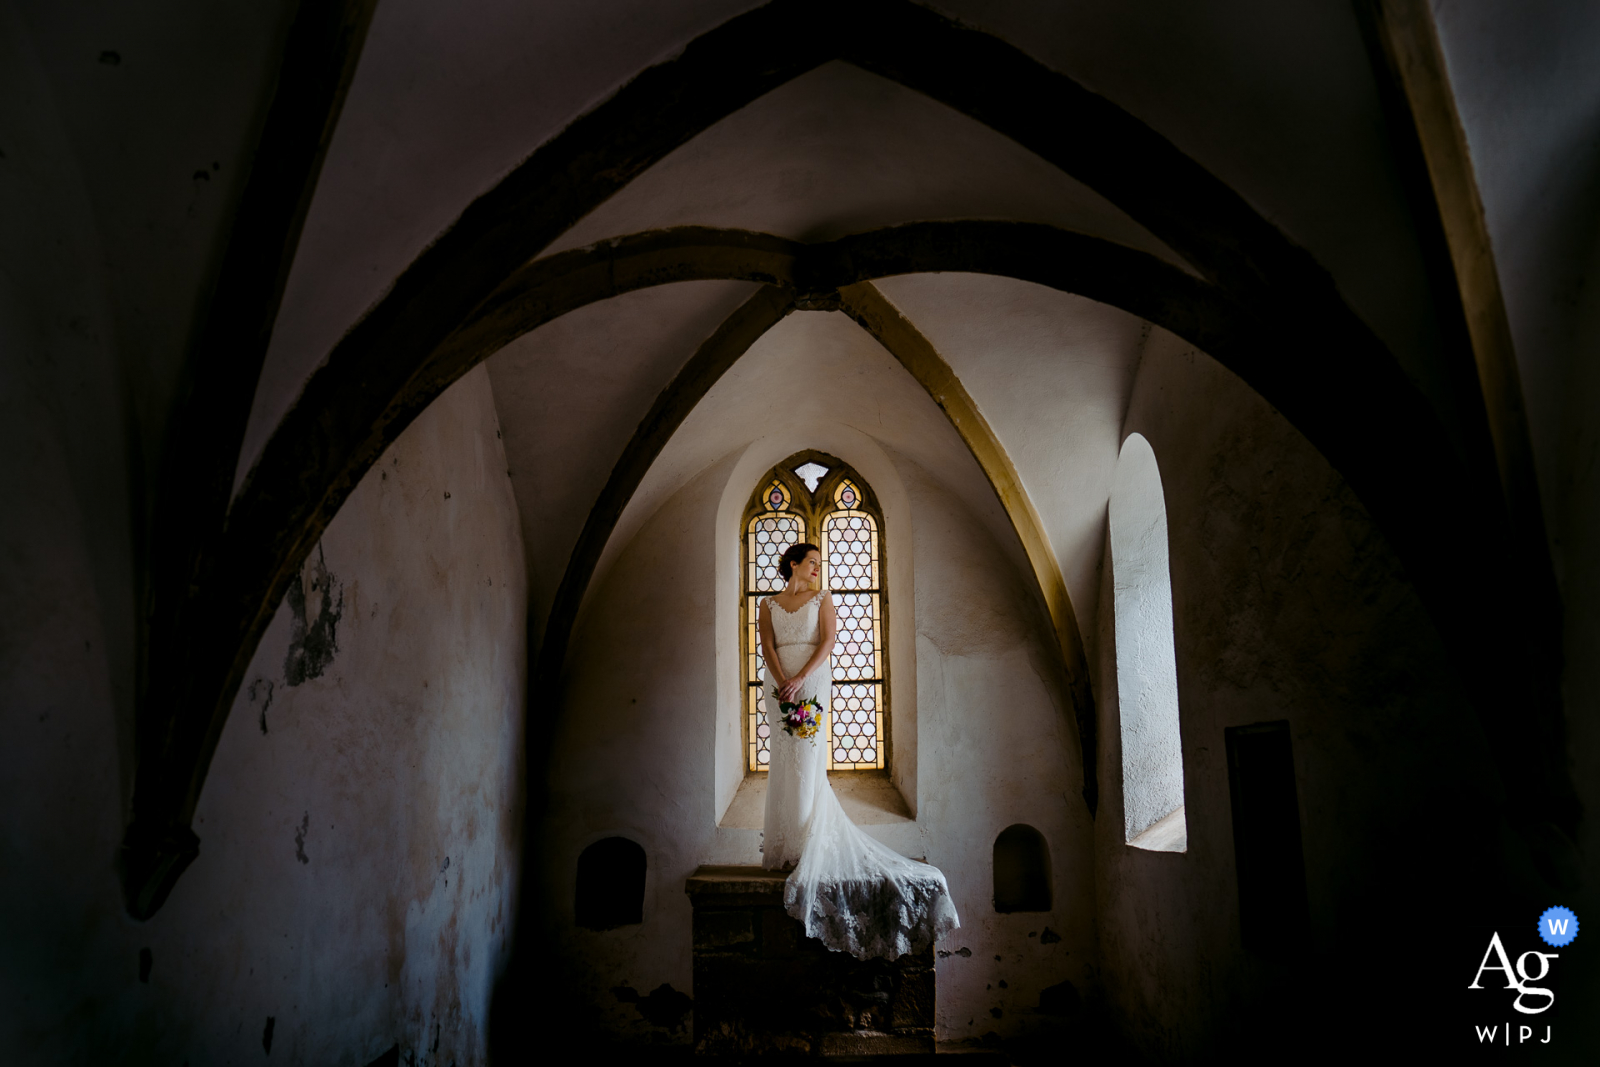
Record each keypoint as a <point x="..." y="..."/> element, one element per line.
<point x="858" y="649"/>
<point x="760" y="748"/>
<point x="850" y="550"/>
<point x="855" y="726"/>
<point x="766" y="538"/>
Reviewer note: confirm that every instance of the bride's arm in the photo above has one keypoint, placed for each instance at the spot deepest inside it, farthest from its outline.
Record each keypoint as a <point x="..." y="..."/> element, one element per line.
<point x="769" y="654"/>
<point x="828" y="623"/>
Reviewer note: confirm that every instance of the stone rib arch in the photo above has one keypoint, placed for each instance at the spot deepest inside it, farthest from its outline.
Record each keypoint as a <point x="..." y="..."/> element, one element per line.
<point x="402" y="353"/>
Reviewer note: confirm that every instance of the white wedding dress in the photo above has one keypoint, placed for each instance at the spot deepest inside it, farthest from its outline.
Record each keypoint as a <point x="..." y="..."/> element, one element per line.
<point x="853" y="893"/>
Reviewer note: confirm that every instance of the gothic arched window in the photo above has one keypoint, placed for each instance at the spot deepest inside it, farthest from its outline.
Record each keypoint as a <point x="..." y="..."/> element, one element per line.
<point x="816" y="494"/>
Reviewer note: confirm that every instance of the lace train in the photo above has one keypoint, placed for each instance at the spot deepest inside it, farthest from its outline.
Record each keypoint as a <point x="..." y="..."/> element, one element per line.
<point x="857" y="895"/>
<point x="852" y="893"/>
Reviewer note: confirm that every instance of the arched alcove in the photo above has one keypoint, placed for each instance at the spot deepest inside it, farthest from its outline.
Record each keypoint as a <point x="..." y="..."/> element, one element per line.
<point x="1021" y="870"/>
<point x="1147" y="672"/>
<point x="610" y="884"/>
<point x="897" y="792"/>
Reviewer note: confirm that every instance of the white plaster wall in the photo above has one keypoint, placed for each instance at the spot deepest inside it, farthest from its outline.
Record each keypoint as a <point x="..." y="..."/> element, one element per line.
<point x="575" y="390"/>
<point x="1051" y="373"/>
<point x="634" y="751"/>
<point x="1289" y="604"/>
<point x="321" y="897"/>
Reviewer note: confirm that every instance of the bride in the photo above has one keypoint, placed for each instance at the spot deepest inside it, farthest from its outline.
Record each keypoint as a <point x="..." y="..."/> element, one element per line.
<point x="852" y="893"/>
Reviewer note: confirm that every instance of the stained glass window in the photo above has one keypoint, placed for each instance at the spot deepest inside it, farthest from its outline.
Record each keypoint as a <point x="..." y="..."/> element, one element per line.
<point x="767" y="535"/>
<point x="851" y="568"/>
<point x="813" y="491"/>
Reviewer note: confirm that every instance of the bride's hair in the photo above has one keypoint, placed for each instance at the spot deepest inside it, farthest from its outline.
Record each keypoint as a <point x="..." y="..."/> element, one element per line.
<point x="792" y="555"/>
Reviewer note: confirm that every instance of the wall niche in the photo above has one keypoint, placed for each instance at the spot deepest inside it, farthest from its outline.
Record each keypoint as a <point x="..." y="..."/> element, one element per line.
<point x="610" y="890"/>
<point x="1021" y="870"/>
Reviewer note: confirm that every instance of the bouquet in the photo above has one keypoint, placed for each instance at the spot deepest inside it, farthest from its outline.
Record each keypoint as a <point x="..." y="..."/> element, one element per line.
<point x="802" y="718"/>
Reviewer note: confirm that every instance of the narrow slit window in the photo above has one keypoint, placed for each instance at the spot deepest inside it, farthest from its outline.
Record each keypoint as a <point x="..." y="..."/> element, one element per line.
<point x="1147" y="672"/>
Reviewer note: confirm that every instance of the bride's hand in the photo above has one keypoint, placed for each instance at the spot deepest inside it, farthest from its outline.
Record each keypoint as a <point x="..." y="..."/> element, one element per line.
<point x="790" y="689"/>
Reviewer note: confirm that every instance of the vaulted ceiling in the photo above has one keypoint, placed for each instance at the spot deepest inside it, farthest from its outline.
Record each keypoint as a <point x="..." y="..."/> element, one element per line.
<point x="1035" y="189"/>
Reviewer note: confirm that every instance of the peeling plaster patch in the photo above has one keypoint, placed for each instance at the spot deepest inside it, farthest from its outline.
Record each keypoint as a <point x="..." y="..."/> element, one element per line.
<point x="1049" y="937"/>
<point x="313" y="643"/>
<point x="300" y="839"/>
<point x="965" y="953"/>
<point x="261" y="689"/>
<point x="665" y="1007"/>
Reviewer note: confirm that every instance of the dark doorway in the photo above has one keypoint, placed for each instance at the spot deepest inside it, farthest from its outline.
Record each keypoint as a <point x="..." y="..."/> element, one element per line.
<point x="1273" y="914"/>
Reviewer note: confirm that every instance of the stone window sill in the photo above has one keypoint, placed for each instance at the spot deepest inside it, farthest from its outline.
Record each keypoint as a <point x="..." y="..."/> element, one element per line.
<point x="869" y="800"/>
<point x="1168" y="834"/>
